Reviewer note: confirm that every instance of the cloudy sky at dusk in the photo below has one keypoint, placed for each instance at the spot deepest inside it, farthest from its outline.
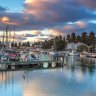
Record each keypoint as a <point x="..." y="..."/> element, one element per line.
<point x="43" y="19"/>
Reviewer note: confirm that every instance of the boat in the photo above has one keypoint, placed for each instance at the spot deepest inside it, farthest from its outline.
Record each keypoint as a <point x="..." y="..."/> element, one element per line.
<point x="25" y="56"/>
<point x="3" y="58"/>
<point x="12" y="55"/>
<point x="31" y="57"/>
<point x="71" y="49"/>
<point x="92" y="55"/>
<point x="73" y="53"/>
<point x="83" y="54"/>
<point x="53" y="53"/>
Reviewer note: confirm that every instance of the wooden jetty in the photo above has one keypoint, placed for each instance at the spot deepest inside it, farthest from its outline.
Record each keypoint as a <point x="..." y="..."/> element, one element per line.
<point x="14" y="65"/>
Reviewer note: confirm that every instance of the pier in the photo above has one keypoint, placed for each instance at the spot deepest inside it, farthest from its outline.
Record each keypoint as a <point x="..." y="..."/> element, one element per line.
<point x="20" y="65"/>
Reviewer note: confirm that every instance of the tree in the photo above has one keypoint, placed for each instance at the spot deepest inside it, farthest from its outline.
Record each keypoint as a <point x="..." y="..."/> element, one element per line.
<point x="12" y="44"/>
<point x="60" y="37"/>
<point x="82" y="48"/>
<point x="91" y="38"/>
<point x="84" y="38"/>
<point x="73" y="37"/>
<point x="46" y="45"/>
<point x="28" y="44"/>
<point x="19" y="44"/>
<point x="78" y="39"/>
<point x="60" y="45"/>
<point x="23" y="44"/>
<point x="15" y="45"/>
<point x="68" y="38"/>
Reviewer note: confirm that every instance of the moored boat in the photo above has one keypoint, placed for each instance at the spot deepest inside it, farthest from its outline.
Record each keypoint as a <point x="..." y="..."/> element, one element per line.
<point x="92" y="55"/>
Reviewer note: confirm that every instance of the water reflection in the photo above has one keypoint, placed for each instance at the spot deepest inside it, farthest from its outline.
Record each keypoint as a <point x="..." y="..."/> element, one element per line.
<point x="77" y="77"/>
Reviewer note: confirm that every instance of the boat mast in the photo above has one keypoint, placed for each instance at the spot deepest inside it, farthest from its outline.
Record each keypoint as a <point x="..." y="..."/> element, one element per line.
<point x="3" y="37"/>
<point x="7" y="43"/>
<point x="9" y="37"/>
<point x="14" y="35"/>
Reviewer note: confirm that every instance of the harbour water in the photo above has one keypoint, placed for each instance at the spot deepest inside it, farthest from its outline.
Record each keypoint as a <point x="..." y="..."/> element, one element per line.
<point x="76" y="78"/>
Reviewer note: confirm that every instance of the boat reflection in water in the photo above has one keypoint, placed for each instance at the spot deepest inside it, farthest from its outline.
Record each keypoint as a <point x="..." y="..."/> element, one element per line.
<point x="76" y="78"/>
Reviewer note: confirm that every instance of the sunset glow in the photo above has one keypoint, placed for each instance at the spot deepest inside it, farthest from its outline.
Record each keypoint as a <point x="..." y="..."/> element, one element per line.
<point x="4" y="19"/>
<point x="48" y="17"/>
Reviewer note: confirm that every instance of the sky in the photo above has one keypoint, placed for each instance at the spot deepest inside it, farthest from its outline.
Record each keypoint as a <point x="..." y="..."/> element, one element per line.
<point x="39" y="20"/>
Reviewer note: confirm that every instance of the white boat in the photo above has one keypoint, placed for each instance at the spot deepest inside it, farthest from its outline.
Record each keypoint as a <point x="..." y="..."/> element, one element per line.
<point x="53" y="53"/>
<point x="71" y="49"/>
<point x="73" y="53"/>
<point x="24" y="56"/>
<point x="92" y="55"/>
<point x="43" y="51"/>
<point x="83" y="54"/>
<point x="31" y="57"/>
<point x="3" y="58"/>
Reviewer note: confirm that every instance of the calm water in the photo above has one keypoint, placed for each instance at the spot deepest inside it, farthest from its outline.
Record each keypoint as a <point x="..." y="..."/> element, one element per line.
<point x="77" y="78"/>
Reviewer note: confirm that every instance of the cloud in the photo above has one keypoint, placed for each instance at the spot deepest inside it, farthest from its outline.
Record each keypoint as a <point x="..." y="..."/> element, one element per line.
<point x="30" y="35"/>
<point x="54" y="15"/>
<point x="4" y="19"/>
<point x="35" y="32"/>
<point x="81" y="24"/>
<point x="41" y="14"/>
<point x="56" y="11"/>
<point x="2" y="9"/>
<point x="88" y="3"/>
<point x="68" y="28"/>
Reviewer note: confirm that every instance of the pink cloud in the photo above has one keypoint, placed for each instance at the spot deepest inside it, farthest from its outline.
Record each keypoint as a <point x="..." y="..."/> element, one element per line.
<point x="40" y="9"/>
<point x="88" y="3"/>
<point x="69" y="27"/>
<point x="81" y="24"/>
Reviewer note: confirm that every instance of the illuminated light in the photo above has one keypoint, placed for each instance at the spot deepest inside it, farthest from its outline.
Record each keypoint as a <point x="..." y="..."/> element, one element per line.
<point x="4" y="19"/>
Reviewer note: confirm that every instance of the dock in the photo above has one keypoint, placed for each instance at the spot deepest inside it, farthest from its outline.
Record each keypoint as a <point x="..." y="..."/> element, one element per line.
<point x="19" y="65"/>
